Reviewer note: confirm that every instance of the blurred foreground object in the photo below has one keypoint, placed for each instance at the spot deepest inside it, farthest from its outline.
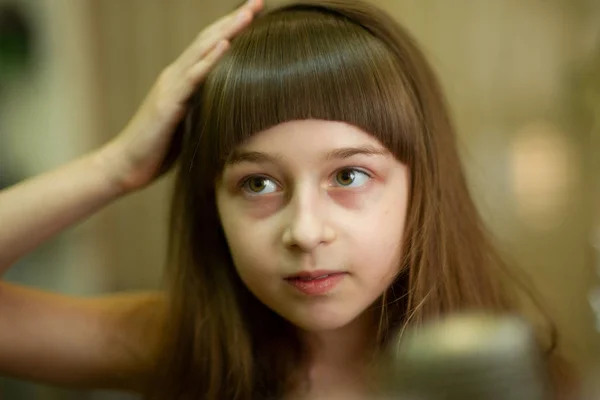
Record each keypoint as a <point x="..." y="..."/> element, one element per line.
<point x="474" y="357"/>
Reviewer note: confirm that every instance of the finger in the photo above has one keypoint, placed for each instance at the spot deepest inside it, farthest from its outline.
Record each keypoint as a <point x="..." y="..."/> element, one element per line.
<point x="209" y="37"/>
<point x="225" y="28"/>
<point x="254" y="5"/>
<point x="197" y="73"/>
<point x="231" y="25"/>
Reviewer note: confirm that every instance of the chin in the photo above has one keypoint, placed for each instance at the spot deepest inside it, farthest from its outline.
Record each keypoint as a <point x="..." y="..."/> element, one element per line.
<point x="317" y="322"/>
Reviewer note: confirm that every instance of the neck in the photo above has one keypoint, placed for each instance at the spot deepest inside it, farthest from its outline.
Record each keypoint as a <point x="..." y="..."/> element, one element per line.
<point x="347" y="344"/>
<point x="341" y="357"/>
<point x="339" y="361"/>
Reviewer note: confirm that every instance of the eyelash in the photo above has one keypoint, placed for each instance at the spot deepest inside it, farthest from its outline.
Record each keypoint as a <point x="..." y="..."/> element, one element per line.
<point x="244" y="181"/>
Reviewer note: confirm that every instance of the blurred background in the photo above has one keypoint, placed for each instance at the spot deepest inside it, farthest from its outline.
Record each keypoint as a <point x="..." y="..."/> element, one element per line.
<point x="522" y="78"/>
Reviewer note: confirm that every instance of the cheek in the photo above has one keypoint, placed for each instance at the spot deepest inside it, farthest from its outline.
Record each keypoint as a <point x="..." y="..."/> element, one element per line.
<point x="247" y="243"/>
<point x="234" y="236"/>
<point x="241" y="246"/>
<point x="377" y="246"/>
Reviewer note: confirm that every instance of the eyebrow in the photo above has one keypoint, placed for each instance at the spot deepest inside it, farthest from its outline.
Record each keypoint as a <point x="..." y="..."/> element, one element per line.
<point x="348" y="152"/>
<point x="258" y="157"/>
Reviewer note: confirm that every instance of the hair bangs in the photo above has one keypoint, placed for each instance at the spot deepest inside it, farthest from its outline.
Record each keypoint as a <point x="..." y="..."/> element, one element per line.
<point x="307" y="63"/>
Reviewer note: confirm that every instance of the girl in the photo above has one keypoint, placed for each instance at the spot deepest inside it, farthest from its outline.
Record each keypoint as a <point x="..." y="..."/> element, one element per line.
<point x="320" y="206"/>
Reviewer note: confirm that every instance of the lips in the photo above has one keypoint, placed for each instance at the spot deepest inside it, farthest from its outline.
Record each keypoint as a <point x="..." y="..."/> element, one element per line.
<point x="310" y="275"/>
<point x="312" y="278"/>
<point x="316" y="282"/>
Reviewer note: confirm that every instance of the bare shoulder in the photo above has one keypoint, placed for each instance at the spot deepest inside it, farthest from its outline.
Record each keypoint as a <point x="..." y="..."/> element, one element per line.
<point x="105" y="342"/>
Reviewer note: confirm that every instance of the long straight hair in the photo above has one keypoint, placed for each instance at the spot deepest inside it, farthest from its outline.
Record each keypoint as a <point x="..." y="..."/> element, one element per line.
<point x="327" y="60"/>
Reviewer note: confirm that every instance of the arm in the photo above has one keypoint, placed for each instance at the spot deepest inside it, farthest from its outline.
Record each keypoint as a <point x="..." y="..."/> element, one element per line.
<point x="108" y="342"/>
<point x="37" y="209"/>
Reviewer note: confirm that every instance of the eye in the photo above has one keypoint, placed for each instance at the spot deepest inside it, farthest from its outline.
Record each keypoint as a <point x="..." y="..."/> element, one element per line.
<point x="351" y="177"/>
<point x="259" y="185"/>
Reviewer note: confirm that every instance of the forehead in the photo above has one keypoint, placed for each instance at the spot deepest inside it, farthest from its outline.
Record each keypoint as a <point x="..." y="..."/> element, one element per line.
<point x="308" y="136"/>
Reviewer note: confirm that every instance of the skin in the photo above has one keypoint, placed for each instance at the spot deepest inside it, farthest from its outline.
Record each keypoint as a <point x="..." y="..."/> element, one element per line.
<point x="317" y="195"/>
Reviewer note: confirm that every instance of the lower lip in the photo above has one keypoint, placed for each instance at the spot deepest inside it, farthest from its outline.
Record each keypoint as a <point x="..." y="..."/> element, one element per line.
<point x="317" y="286"/>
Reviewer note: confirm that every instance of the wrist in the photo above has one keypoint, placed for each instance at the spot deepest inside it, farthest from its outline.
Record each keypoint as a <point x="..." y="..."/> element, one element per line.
<point x="109" y="160"/>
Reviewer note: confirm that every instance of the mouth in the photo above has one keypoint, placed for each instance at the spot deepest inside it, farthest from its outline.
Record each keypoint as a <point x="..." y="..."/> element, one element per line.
<point x="316" y="283"/>
<point x="313" y="275"/>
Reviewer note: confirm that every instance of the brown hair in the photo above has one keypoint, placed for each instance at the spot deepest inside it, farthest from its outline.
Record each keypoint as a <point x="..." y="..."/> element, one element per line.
<point x="328" y="60"/>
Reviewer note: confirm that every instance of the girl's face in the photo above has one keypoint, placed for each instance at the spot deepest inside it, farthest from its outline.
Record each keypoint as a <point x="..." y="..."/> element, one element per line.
<point x="313" y="212"/>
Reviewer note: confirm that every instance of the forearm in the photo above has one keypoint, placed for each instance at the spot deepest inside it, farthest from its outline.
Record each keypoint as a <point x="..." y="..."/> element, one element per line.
<point x="34" y="210"/>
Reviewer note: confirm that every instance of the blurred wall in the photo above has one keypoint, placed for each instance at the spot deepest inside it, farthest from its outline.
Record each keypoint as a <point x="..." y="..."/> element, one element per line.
<point x="521" y="78"/>
<point x="47" y="118"/>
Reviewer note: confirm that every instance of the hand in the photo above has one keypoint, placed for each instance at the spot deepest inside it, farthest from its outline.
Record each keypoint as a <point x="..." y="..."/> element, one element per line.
<point x="137" y="155"/>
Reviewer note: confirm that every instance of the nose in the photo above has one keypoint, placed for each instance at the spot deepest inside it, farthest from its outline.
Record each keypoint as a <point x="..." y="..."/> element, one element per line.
<point x="306" y="227"/>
